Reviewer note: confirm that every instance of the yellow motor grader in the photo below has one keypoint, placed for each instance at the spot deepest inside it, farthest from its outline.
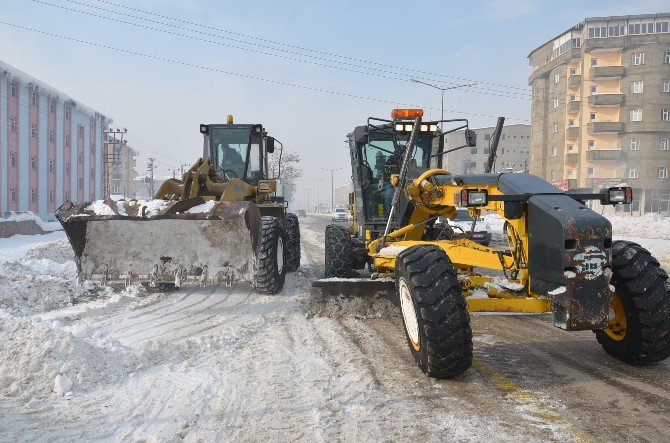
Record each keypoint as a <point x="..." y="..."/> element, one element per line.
<point x="558" y="254"/>
<point x="222" y="222"/>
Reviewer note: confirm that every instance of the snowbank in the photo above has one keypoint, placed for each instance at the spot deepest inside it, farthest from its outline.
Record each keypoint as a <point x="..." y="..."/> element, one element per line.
<point x="15" y="247"/>
<point x="646" y="226"/>
<point x="30" y="216"/>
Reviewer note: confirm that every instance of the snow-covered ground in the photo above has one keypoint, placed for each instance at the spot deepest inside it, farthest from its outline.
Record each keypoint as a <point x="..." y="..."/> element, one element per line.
<point x="217" y="363"/>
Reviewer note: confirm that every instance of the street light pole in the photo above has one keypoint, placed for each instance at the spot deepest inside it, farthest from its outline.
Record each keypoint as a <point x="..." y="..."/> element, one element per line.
<point x="332" y="190"/>
<point x="467" y="85"/>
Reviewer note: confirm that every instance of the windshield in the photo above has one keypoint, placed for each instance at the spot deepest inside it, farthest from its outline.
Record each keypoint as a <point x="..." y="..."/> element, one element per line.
<point x="380" y="160"/>
<point x="340" y="210"/>
<point x="236" y="153"/>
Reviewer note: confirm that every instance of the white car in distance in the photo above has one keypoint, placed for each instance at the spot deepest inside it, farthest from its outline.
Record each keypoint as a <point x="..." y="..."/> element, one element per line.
<point x="340" y="214"/>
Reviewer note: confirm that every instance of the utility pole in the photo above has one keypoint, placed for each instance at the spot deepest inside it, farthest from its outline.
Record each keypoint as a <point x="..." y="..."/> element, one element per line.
<point x="332" y="190"/>
<point x="308" y="200"/>
<point x="182" y="169"/>
<point x="318" y="195"/>
<point x="111" y="160"/>
<point x="467" y="85"/>
<point x="150" y="167"/>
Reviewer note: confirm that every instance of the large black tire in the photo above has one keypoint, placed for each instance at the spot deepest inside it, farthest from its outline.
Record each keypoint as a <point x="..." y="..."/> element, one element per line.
<point x="339" y="260"/>
<point x="642" y="287"/>
<point x="292" y="226"/>
<point x="271" y="259"/>
<point x="435" y="313"/>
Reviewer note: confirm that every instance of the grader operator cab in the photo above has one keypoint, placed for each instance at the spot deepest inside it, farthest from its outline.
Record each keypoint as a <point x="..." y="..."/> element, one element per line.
<point x="220" y="222"/>
<point x="559" y="255"/>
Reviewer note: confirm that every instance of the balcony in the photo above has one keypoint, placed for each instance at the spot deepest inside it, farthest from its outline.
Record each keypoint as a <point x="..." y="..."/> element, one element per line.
<point x="572" y="132"/>
<point x="606" y="100"/>
<point x="600" y="127"/>
<point x="571" y="158"/>
<point x="573" y="183"/>
<point x="575" y="81"/>
<point x="603" y="154"/>
<point x="573" y="106"/>
<point x="607" y="72"/>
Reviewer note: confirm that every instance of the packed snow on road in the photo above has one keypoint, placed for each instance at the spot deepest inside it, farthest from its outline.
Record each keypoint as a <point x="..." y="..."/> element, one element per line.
<point x="84" y="362"/>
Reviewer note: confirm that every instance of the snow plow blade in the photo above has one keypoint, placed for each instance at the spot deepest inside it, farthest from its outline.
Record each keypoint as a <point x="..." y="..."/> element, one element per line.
<point x="163" y="242"/>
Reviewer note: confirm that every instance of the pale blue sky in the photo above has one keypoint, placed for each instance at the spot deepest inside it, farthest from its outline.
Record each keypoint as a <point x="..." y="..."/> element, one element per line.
<point x="162" y="103"/>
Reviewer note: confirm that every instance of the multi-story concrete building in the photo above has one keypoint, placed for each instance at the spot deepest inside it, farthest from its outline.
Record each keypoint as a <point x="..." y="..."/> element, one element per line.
<point x="121" y="160"/>
<point x="51" y="146"/>
<point x="601" y="107"/>
<point x="513" y="150"/>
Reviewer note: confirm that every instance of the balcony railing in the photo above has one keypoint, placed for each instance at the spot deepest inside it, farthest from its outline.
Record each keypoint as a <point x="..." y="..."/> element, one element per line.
<point x="571" y="158"/>
<point x="606" y="99"/>
<point x="573" y="183"/>
<point x="603" y="154"/>
<point x="572" y="132"/>
<point x="607" y="72"/>
<point x="600" y="127"/>
<point x="573" y="106"/>
<point x="575" y="80"/>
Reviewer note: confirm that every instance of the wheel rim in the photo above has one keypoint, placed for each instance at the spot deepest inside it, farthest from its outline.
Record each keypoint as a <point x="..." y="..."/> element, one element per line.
<point x="617" y="326"/>
<point x="280" y="255"/>
<point x="409" y="314"/>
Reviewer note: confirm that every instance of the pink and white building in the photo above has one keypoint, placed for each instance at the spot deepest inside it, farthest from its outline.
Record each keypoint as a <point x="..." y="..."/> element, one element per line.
<point x="51" y="146"/>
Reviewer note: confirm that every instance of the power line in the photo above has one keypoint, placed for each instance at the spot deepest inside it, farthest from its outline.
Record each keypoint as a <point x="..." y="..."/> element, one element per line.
<point x="236" y="74"/>
<point x="315" y="51"/>
<point x="378" y="73"/>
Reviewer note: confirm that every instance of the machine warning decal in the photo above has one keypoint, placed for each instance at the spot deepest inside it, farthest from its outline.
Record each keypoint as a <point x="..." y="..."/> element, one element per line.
<point x="591" y="262"/>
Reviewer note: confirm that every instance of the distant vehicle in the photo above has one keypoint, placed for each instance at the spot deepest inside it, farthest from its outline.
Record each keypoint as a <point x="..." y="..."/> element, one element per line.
<point x="340" y="214"/>
<point x="462" y="227"/>
<point x="301" y="213"/>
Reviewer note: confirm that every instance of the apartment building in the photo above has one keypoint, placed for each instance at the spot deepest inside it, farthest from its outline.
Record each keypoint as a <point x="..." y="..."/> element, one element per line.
<point x="513" y="153"/>
<point x="51" y="146"/>
<point x="121" y="161"/>
<point x="601" y="107"/>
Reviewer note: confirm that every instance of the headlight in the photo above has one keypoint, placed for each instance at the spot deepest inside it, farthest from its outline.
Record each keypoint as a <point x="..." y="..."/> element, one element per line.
<point x="408" y="128"/>
<point x="474" y="197"/>
<point x="264" y="186"/>
<point x="433" y="128"/>
<point x="424" y="128"/>
<point x="622" y="194"/>
<point x="399" y="127"/>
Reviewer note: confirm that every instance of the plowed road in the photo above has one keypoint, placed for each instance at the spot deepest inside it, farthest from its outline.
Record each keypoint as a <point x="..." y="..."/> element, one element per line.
<point x="228" y="364"/>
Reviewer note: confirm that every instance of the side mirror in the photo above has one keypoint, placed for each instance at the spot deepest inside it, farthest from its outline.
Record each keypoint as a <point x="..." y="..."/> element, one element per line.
<point x="470" y="138"/>
<point x="270" y="145"/>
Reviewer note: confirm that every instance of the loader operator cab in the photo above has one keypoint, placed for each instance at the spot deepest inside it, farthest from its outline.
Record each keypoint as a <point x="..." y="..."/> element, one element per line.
<point x="378" y="149"/>
<point x="237" y="150"/>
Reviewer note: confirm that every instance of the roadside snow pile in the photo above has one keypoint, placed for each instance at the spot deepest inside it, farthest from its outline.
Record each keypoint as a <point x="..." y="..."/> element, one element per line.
<point x="646" y="226"/>
<point x="40" y="358"/>
<point x="30" y="216"/>
<point x="352" y="307"/>
<point x="31" y="285"/>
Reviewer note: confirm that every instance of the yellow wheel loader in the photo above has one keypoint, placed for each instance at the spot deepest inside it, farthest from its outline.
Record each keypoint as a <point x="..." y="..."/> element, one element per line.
<point x="558" y="255"/>
<point x="220" y="223"/>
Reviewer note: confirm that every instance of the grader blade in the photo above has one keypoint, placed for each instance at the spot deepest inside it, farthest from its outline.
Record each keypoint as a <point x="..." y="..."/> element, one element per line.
<point x="160" y="242"/>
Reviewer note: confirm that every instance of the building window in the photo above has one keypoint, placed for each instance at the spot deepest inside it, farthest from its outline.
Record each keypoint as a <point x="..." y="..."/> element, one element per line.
<point x="33" y="97"/>
<point x="666" y="85"/>
<point x="80" y="158"/>
<point x="570" y="172"/>
<point x="665" y="115"/>
<point x="33" y="130"/>
<point x="473" y="151"/>
<point x="632" y="171"/>
<point x="636" y="115"/>
<point x="555" y="103"/>
<point x="33" y="163"/>
<point x="592" y="117"/>
<point x="555" y="127"/>
<point x="616" y="31"/>
<point x="67" y="112"/>
<point x="553" y="175"/>
<point x="67" y="195"/>
<point x="573" y="71"/>
<point x="93" y="148"/>
<point x="662" y="172"/>
<point x="594" y="89"/>
<point x="597" y="31"/>
<point x="634" y="144"/>
<point x="12" y="158"/>
<point x="52" y="136"/>
<point x="81" y="183"/>
<point x="12" y="89"/>
<point x="33" y="195"/>
<point x="67" y="169"/>
<point x="557" y="78"/>
<point x="67" y="140"/>
<point x="571" y="122"/>
<point x="663" y="144"/>
<point x="666" y="57"/>
<point x="12" y="194"/>
<point x="92" y="173"/>
<point x="80" y="130"/>
<point x="12" y="123"/>
<point x="589" y="172"/>
<point x="51" y="166"/>
<point x="592" y="144"/>
<point x="554" y="151"/>
<point x="571" y="148"/>
<point x="661" y="27"/>
<point x="638" y="58"/>
<point x="52" y="105"/>
<point x="51" y="196"/>
<point x="637" y="87"/>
